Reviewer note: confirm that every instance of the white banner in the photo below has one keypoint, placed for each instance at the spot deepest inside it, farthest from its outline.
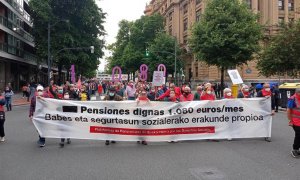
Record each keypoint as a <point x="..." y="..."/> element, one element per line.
<point x="153" y="121"/>
<point x="235" y="76"/>
<point x="158" y="78"/>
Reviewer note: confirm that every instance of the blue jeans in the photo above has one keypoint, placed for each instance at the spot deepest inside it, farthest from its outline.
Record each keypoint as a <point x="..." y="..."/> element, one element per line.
<point x="7" y="101"/>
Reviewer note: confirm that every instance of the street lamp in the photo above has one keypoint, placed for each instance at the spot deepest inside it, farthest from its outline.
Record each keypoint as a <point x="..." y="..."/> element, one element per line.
<point x="49" y="46"/>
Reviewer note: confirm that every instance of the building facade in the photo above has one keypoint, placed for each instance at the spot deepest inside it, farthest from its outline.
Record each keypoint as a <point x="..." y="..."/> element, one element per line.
<point x="180" y="15"/>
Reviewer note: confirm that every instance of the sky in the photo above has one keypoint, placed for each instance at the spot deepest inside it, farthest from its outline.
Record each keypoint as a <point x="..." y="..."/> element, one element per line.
<point x="116" y="11"/>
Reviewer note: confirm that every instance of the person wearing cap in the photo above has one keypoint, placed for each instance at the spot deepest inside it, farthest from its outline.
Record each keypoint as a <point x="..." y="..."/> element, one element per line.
<point x="293" y="114"/>
<point x="39" y="93"/>
<point x="186" y="95"/>
<point x="244" y="93"/>
<point x="112" y="96"/>
<point x="2" y="117"/>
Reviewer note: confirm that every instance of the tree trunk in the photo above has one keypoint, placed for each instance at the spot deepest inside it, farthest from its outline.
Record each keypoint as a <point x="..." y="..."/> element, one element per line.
<point x="222" y="80"/>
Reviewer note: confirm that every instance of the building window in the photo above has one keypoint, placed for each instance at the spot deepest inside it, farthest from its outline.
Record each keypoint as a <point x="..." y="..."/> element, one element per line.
<point x="198" y="2"/>
<point x="291" y="19"/>
<point x="291" y="5"/>
<point x="185" y="9"/>
<point x="249" y="3"/>
<point x="280" y="20"/>
<point x="185" y="24"/>
<point x="258" y="5"/>
<point x="196" y="71"/>
<point x="170" y="30"/>
<point x="170" y="16"/>
<point x="281" y="4"/>
<point x="198" y="14"/>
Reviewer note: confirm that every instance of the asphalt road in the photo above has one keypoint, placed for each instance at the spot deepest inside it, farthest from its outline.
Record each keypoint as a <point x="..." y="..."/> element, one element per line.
<point x="249" y="159"/>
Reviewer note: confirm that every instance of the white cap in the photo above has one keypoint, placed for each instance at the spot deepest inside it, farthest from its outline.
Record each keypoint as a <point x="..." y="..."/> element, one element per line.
<point x="40" y="88"/>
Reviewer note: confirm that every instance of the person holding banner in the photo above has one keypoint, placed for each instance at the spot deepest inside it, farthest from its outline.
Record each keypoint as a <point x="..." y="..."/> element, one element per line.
<point x="266" y="92"/>
<point x="112" y="96"/>
<point x="83" y="94"/>
<point x="293" y="114"/>
<point x="167" y="93"/>
<point x="40" y="93"/>
<point x="66" y="96"/>
<point x="227" y="93"/>
<point x="244" y="93"/>
<point x="2" y="117"/>
<point x="151" y="94"/>
<point x="208" y="93"/>
<point x="197" y="94"/>
<point x="187" y="95"/>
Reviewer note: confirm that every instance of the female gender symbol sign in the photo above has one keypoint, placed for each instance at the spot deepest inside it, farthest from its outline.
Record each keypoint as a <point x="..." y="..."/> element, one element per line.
<point x="163" y="68"/>
<point x="144" y="72"/>
<point x="116" y="68"/>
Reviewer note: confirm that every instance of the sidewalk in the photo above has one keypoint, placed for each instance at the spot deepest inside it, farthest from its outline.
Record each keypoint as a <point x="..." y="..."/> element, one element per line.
<point x="17" y="99"/>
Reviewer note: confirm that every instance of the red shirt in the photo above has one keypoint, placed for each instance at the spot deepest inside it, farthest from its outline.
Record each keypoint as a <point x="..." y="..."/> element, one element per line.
<point x="167" y="93"/>
<point x="206" y="96"/>
<point x="189" y="97"/>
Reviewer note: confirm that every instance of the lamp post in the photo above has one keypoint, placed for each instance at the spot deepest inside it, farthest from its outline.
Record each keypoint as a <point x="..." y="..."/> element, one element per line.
<point x="49" y="46"/>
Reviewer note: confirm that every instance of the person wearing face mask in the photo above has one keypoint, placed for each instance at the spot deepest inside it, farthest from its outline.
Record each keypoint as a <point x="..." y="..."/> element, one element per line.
<point x="39" y="93"/>
<point x="66" y="96"/>
<point x="293" y="114"/>
<point x="2" y="118"/>
<point x="244" y="93"/>
<point x="267" y="93"/>
<point x="227" y="94"/>
<point x="60" y="92"/>
<point x="208" y="94"/>
<point x="197" y="94"/>
<point x="172" y="97"/>
<point x="186" y="95"/>
<point x="112" y="96"/>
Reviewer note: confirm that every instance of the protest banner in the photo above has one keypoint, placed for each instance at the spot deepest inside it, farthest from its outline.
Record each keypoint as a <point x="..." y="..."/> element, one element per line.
<point x="158" y="78"/>
<point x="235" y="76"/>
<point x="153" y="121"/>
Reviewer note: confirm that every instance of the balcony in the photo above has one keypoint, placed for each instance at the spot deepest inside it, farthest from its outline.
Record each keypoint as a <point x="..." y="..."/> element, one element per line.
<point x="13" y="50"/>
<point x="20" y="9"/>
<point x="16" y="28"/>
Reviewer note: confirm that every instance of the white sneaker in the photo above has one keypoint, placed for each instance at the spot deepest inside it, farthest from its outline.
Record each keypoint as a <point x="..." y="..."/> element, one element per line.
<point x="2" y="139"/>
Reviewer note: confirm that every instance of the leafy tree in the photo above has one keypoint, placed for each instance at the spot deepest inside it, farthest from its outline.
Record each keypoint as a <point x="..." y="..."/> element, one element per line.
<point x="228" y="35"/>
<point x="134" y="38"/>
<point x="162" y="51"/>
<point x="84" y="28"/>
<point x="282" y="56"/>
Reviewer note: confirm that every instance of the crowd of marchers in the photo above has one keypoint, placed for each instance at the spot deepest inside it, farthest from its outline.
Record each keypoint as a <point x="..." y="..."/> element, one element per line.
<point x="144" y="91"/>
